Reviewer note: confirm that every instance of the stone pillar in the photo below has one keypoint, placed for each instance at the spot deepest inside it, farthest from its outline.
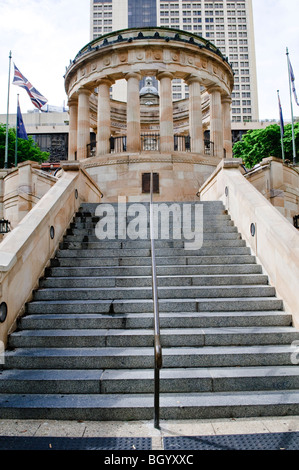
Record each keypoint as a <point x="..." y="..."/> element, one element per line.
<point x="104" y="117"/>
<point x="25" y="189"/>
<point x="195" y="115"/>
<point x="83" y="123"/>
<point x="216" y="124"/>
<point x="133" y="113"/>
<point x="227" y="128"/>
<point x="73" y="128"/>
<point x="166" y="112"/>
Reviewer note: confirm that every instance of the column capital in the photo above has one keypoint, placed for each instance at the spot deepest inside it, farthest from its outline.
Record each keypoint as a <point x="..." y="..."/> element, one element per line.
<point x="133" y="74"/>
<point x="165" y="74"/>
<point x="193" y="79"/>
<point x="226" y="99"/>
<point x="105" y="81"/>
<point x="72" y="101"/>
<point x="214" y="89"/>
<point x="84" y="91"/>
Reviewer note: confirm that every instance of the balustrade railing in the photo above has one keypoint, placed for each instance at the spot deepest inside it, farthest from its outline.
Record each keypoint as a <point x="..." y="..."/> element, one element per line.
<point x="118" y="144"/>
<point x="151" y="142"/>
<point x="182" y="143"/>
<point x="209" y="148"/>
<point x="91" y="150"/>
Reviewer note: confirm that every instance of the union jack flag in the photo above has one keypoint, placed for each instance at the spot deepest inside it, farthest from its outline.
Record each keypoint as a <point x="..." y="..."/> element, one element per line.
<point x="37" y="99"/>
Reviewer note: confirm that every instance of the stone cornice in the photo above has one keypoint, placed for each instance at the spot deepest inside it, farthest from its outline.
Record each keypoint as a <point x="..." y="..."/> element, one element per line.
<point x="149" y="51"/>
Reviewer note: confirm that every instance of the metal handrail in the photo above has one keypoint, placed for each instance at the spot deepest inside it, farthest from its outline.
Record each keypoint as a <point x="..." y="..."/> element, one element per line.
<point x="157" y="342"/>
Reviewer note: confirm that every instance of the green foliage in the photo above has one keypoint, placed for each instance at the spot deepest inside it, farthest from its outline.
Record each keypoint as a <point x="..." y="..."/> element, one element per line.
<point x="27" y="149"/>
<point x="262" y="143"/>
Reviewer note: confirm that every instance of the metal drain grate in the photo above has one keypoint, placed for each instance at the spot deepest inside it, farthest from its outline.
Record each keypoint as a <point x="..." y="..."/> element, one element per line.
<point x="70" y="443"/>
<point x="275" y="441"/>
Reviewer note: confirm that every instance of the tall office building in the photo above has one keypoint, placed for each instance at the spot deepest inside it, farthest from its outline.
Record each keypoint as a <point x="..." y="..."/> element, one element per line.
<point x="226" y="23"/>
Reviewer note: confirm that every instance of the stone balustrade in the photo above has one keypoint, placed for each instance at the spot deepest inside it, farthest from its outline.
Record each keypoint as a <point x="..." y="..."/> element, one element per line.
<point x="26" y="250"/>
<point x="272" y="238"/>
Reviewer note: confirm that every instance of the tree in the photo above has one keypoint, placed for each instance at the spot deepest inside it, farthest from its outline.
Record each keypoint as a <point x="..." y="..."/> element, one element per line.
<point x="262" y="143"/>
<point x="27" y="149"/>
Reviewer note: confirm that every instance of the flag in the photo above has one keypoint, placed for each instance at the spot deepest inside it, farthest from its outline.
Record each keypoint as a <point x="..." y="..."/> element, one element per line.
<point x="281" y="116"/>
<point x="37" y="99"/>
<point x="292" y="76"/>
<point x="21" y="131"/>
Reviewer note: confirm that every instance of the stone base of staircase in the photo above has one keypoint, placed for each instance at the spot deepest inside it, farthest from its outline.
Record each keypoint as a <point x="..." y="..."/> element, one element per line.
<point x="84" y="349"/>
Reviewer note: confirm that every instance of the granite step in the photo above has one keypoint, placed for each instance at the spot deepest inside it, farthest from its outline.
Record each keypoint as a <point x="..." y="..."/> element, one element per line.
<point x="168" y="270"/>
<point x="146" y="281"/>
<point x="99" y="407"/>
<point x="143" y="357"/>
<point x="170" y="337"/>
<point x="168" y="292"/>
<point x="215" y="237"/>
<point x="160" y="252"/>
<point x="146" y="261"/>
<point x="166" y="305"/>
<point x="115" y="381"/>
<point x="76" y="230"/>
<point x="160" y="245"/>
<point x="213" y="380"/>
<point x="145" y="320"/>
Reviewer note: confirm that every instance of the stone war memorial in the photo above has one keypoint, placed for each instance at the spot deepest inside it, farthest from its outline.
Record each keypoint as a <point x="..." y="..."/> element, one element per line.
<point x="148" y="278"/>
<point x="182" y="141"/>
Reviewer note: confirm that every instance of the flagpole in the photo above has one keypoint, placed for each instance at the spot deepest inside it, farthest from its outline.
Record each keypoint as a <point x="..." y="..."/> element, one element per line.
<point x="7" y="115"/>
<point x="281" y="127"/>
<point x="292" y="112"/>
<point x="16" y="148"/>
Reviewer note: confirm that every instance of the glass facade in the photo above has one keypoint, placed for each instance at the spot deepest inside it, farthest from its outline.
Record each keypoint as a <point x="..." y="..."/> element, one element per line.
<point x="142" y="13"/>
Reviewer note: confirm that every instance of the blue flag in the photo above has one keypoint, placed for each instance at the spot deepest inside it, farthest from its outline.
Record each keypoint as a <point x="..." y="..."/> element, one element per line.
<point x="292" y="75"/>
<point x="21" y="131"/>
<point x="281" y="116"/>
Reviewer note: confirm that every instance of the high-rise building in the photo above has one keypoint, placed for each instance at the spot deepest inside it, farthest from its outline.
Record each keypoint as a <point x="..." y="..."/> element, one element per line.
<point x="226" y="23"/>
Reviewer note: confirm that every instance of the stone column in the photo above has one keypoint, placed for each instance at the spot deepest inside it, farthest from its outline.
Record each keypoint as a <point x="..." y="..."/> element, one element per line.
<point x="73" y="127"/>
<point x="133" y="113"/>
<point x="195" y="115"/>
<point x="227" y="127"/>
<point x="216" y="121"/>
<point x="25" y="188"/>
<point x="104" y="117"/>
<point x="83" y="123"/>
<point x="166" y="112"/>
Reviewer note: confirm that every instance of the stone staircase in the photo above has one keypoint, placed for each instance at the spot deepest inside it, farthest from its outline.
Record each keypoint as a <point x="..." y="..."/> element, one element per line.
<point x="84" y="349"/>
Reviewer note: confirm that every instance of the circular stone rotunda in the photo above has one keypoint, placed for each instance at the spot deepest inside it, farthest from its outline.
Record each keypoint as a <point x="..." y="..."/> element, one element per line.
<point x="119" y="143"/>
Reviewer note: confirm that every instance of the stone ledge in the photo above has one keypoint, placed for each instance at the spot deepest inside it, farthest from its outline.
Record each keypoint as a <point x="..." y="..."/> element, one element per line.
<point x="70" y="165"/>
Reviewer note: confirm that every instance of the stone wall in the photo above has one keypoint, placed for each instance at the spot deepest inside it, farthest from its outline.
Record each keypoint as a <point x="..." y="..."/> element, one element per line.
<point x="272" y="239"/>
<point x="180" y="175"/>
<point x="279" y="183"/>
<point x="21" y="188"/>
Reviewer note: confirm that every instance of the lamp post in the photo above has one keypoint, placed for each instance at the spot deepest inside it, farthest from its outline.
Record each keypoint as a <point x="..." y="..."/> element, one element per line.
<point x="4" y="226"/>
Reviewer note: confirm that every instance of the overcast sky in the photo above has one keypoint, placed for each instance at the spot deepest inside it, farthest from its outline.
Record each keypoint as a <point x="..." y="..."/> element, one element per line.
<point x="44" y="35"/>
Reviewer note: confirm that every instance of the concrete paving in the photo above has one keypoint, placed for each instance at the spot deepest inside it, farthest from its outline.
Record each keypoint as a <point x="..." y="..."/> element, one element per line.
<point x="42" y="428"/>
